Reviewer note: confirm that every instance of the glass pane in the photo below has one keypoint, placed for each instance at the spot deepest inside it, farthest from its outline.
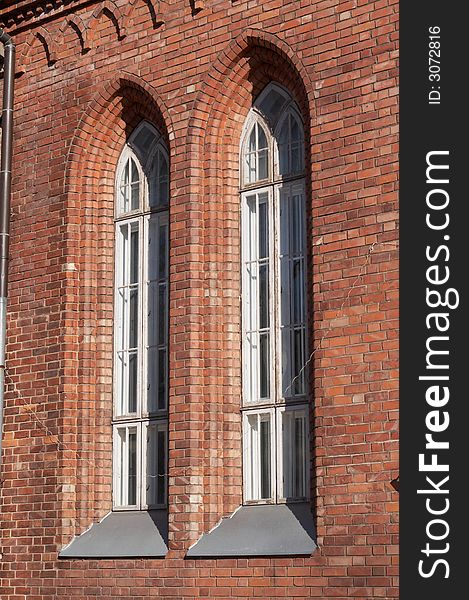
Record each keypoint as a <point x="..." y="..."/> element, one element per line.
<point x="295" y="130"/>
<point x="152" y="378"/>
<point x="272" y="104"/>
<point x="283" y="143"/>
<point x="152" y="459"/>
<point x="134" y="254"/>
<point x="152" y="325"/>
<point x="263" y="296"/>
<point x="263" y="171"/>
<point x="253" y="139"/>
<point x="299" y="457"/>
<point x="132" y="469"/>
<point x="163" y="244"/>
<point x="296" y="159"/>
<point x="261" y="138"/>
<point x="152" y="248"/>
<point x="161" y="378"/>
<point x="161" y="471"/>
<point x="135" y="192"/>
<point x="265" y="483"/>
<point x="132" y="398"/>
<point x="163" y="180"/>
<point x="144" y="140"/>
<point x="298" y="358"/>
<point x="121" y="467"/>
<point x="135" y="176"/>
<point x="286" y="363"/>
<point x="162" y="319"/>
<point x="263" y="230"/>
<point x="133" y="318"/>
<point x="264" y="365"/>
<point x="126" y="174"/>
<point x="297" y="292"/>
<point x="253" y="457"/>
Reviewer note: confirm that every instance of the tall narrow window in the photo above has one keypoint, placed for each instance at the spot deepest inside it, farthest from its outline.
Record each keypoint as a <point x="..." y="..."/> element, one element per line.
<point x="141" y="323"/>
<point x="275" y="401"/>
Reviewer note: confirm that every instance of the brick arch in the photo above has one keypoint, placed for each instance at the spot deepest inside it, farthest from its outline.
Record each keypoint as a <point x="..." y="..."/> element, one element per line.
<point x="153" y="8"/>
<point x="76" y="23"/>
<point x="225" y="97"/>
<point x="101" y="112"/>
<point x="110" y="9"/>
<point x="48" y="44"/>
<point x="115" y="111"/>
<point x="216" y="83"/>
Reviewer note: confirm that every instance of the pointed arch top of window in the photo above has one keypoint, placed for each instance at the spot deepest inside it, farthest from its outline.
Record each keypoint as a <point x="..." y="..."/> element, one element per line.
<point x="272" y="143"/>
<point x="271" y="103"/>
<point x="142" y="176"/>
<point x="143" y="140"/>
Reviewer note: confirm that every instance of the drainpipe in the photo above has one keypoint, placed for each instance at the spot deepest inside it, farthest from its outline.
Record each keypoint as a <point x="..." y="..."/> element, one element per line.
<point x="5" y="192"/>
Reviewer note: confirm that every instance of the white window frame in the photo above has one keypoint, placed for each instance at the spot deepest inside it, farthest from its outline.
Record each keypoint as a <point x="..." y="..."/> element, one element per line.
<point x="275" y="187"/>
<point x="143" y="418"/>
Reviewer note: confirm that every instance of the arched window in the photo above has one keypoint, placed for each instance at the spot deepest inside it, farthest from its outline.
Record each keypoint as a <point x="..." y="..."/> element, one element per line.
<point x="274" y="337"/>
<point x="141" y="322"/>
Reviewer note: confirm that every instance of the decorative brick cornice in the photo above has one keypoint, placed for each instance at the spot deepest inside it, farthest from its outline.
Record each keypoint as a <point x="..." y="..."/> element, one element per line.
<point x="14" y="14"/>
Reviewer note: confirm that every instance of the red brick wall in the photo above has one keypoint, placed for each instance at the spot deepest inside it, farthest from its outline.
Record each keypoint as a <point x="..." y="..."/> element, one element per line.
<point x="193" y="69"/>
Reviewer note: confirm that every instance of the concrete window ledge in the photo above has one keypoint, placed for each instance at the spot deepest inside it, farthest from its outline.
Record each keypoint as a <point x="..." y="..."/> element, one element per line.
<point x="261" y="530"/>
<point x="142" y="534"/>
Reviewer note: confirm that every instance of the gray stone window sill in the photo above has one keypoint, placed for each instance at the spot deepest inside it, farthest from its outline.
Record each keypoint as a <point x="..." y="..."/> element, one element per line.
<point x="142" y="534"/>
<point x="260" y="530"/>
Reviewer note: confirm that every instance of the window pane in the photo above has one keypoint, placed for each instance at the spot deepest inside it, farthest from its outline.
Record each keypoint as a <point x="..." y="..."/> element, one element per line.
<point x="161" y="468"/>
<point x="265" y="453"/>
<point x="264" y="351"/>
<point x="263" y="230"/>
<point x="290" y="146"/>
<point x="162" y="378"/>
<point x="163" y="248"/>
<point x="253" y="139"/>
<point x="135" y="176"/>
<point x="283" y="141"/>
<point x="126" y="465"/>
<point x="134" y="252"/>
<point x="258" y="466"/>
<point x="263" y="171"/>
<point x="144" y="140"/>
<point x="126" y="174"/>
<point x="263" y="296"/>
<point x="133" y="318"/>
<point x="121" y="483"/>
<point x="132" y="468"/>
<point x="261" y="138"/>
<point x="297" y="292"/>
<point x="156" y="463"/>
<point x="132" y="391"/>
<point x="256" y="157"/>
<point x="272" y="104"/>
<point x="162" y="317"/>
<point x="299" y="457"/>
<point x="298" y="361"/>
<point x="129" y="187"/>
<point x="163" y="177"/>
<point x="135" y="196"/>
<point x="294" y="453"/>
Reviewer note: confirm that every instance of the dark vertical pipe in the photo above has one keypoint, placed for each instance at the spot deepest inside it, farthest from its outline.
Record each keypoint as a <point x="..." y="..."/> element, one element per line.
<point x="5" y="192"/>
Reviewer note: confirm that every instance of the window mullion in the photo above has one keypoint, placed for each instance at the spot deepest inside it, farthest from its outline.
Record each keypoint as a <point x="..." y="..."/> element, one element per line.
<point x="276" y="332"/>
<point x="143" y="308"/>
<point x="275" y="296"/>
